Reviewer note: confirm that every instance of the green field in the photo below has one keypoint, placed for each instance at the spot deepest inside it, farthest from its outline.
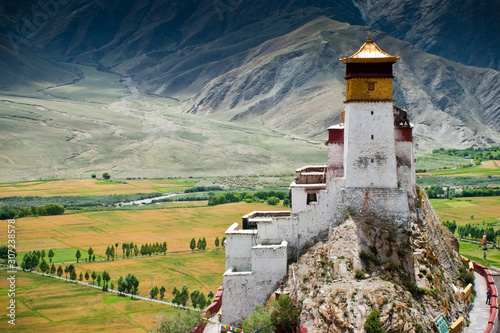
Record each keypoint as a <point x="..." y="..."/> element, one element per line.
<point x="436" y="161"/>
<point x="485" y="209"/>
<point x="485" y="212"/>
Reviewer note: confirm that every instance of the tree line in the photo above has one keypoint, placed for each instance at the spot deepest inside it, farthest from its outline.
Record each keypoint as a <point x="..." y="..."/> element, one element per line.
<point x="436" y="191"/>
<point x="477" y="154"/>
<point x="10" y="212"/>
<point x="476" y="233"/>
<point x="202" y="243"/>
<point x="67" y="202"/>
<point x="272" y="197"/>
<point x="197" y="298"/>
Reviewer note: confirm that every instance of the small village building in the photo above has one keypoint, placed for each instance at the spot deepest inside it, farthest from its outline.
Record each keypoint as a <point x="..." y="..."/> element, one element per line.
<point x="370" y="170"/>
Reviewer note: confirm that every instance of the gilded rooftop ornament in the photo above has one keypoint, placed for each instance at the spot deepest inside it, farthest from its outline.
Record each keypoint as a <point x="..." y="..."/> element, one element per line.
<point x="369" y="53"/>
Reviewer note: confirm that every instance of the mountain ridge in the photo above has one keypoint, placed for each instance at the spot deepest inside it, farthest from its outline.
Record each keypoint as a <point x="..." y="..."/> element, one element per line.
<point x="214" y="57"/>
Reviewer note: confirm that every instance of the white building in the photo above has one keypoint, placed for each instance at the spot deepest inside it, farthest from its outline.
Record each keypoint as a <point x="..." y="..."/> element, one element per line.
<point x="370" y="170"/>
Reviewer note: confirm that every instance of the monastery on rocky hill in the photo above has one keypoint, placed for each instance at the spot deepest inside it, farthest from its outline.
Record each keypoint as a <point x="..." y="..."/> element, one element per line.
<point x="370" y="170"/>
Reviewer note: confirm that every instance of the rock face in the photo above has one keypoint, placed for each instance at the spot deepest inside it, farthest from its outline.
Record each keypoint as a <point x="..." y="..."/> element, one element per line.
<point x="370" y="263"/>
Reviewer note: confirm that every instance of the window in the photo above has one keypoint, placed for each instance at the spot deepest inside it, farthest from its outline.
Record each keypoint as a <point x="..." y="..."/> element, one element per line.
<point x="372" y="112"/>
<point x="372" y="136"/>
<point x="371" y="86"/>
<point x="311" y="197"/>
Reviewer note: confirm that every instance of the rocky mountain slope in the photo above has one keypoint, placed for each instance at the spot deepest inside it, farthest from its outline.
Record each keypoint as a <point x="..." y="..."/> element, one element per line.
<point x="369" y="264"/>
<point x="273" y="62"/>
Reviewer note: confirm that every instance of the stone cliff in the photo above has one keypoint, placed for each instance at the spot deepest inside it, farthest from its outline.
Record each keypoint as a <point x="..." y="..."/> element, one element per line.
<point x="408" y="274"/>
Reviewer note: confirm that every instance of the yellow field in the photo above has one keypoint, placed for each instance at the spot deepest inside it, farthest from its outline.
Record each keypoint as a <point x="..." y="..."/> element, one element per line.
<point x="176" y="226"/>
<point x="91" y="187"/>
<point x="56" y="306"/>
<point x="44" y="303"/>
<point x="198" y="270"/>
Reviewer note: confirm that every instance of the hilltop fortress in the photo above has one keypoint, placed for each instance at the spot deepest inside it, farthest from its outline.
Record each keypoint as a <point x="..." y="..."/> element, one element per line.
<point x="370" y="170"/>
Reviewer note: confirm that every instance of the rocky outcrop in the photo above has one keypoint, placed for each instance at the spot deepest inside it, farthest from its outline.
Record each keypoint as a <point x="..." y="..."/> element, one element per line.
<point x="368" y="264"/>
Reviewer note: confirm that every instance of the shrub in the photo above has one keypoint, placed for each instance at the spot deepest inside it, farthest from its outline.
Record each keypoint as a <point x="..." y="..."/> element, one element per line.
<point x="359" y="274"/>
<point x="260" y="318"/>
<point x="273" y="201"/>
<point x="373" y="324"/>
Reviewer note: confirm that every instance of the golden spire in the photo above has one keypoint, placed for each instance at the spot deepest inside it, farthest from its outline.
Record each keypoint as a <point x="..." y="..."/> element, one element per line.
<point x="369" y="53"/>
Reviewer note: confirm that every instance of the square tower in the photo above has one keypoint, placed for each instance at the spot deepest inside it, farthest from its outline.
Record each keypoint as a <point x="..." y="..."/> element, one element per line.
<point x="369" y="139"/>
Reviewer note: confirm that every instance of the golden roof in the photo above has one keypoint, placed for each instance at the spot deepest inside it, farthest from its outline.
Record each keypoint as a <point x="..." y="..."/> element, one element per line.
<point x="369" y="53"/>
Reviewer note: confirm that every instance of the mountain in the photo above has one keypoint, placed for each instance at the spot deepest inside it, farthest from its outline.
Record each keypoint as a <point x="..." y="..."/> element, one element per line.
<point x="271" y="63"/>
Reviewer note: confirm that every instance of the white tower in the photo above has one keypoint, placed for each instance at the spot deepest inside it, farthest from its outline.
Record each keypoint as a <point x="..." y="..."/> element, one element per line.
<point x="369" y="140"/>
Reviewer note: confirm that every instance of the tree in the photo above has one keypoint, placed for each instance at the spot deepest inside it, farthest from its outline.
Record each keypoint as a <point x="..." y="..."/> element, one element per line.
<point x="93" y="276"/>
<point x="72" y="275"/>
<point x="78" y="255"/>
<point x="105" y="278"/>
<point x="164" y="248"/>
<point x="217" y="242"/>
<point x="90" y="252"/>
<point x="108" y="252"/>
<point x="87" y="276"/>
<point x="286" y="202"/>
<point x="154" y="292"/>
<point x="373" y="324"/>
<point x="176" y="293"/>
<point x="136" y="250"/>
<point x="59" y="271"/>
<point x="112" y="286"/>
<point x="51" y="255"/>
<point x="106" y="175"/>
<point x="260" y="318"/>
<point x="203" y="243"/>
<point x="199" y="245"/>
<point x="42" y="254"/>
<point x="80" y="277"/>
<point x="116" y="252"/>
<point x="44" y="267"/>
<point x="194" y="298"/>
<point x="184" y="295"/>
<point x="273" y="201"/>
<point x="121" y="288"/>
<point x="180" y="321"/>
<point x="201" y="300"/>
<point x="192" y="245"/>
<point x="94" y="176"/>
<point x="223" y="241"/>
<point x="284" y="314"/>
<point x="210" y="295"/>
<point x="53" y="269"/>
<point x="99" y="280"/>
<point x="162" y="292"/>
<point x="66" y="271"/>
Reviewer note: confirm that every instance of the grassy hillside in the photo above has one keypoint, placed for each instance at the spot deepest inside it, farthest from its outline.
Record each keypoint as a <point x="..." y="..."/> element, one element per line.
<point x="102" y="124"/>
